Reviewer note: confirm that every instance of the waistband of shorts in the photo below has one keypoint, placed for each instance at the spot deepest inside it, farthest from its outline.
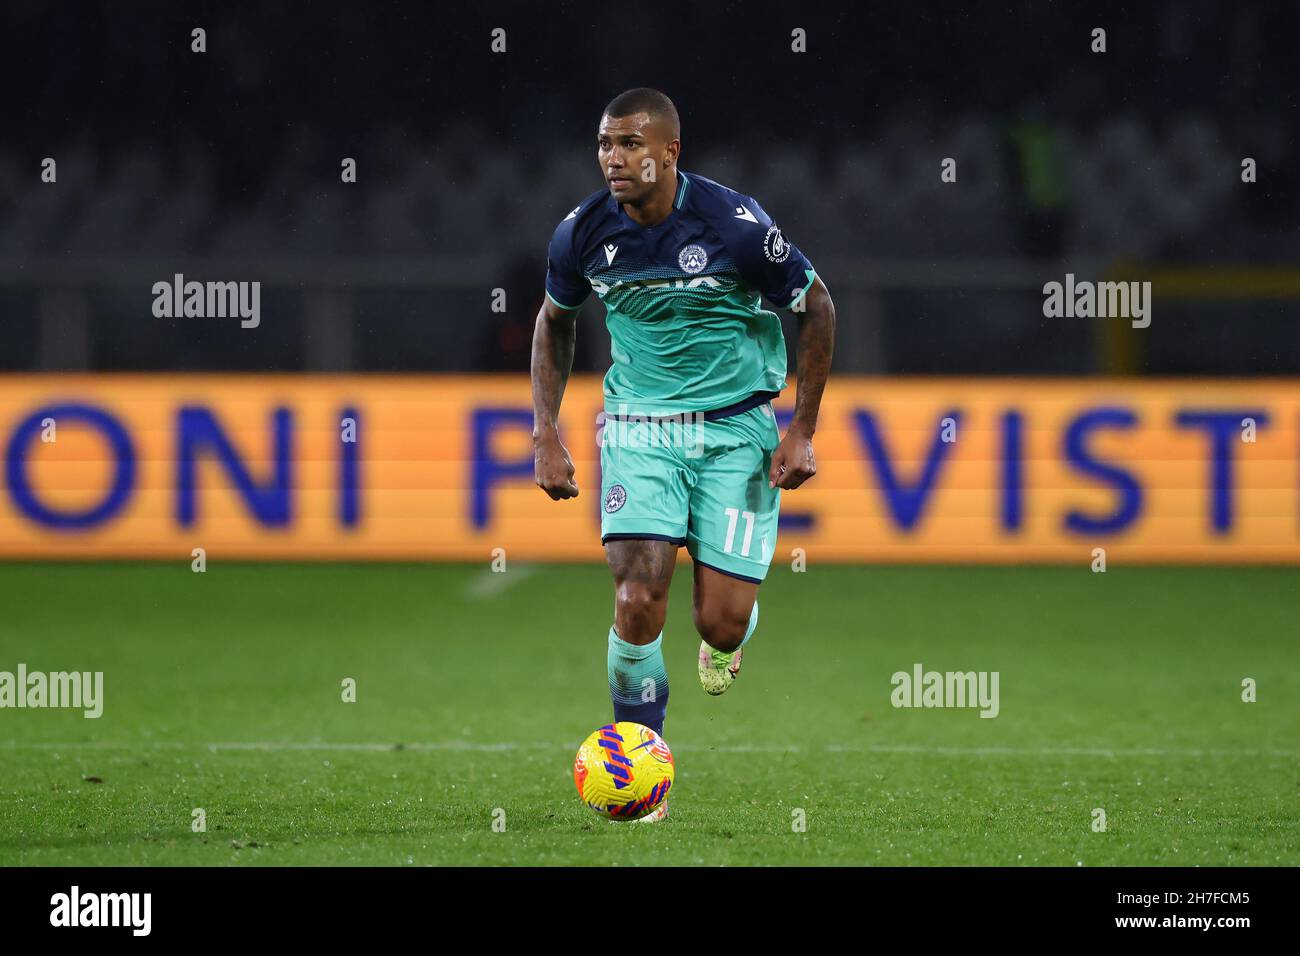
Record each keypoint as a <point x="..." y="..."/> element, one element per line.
<point x="711" y="415"/>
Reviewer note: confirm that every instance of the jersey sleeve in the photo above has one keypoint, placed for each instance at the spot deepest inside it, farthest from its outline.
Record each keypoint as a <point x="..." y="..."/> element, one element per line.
<point x="565" y="284"/>
<point x="768" y="261"/>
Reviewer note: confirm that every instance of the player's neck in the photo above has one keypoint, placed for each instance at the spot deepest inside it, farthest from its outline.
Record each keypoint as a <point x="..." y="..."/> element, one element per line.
<point x="658" y="206"/>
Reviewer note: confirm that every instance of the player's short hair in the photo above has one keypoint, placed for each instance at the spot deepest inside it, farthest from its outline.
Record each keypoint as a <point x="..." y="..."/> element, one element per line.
<point x="643" y="99"/>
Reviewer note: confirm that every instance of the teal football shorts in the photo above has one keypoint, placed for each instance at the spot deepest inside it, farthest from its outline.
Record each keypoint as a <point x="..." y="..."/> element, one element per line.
<point x="694" y="482"/>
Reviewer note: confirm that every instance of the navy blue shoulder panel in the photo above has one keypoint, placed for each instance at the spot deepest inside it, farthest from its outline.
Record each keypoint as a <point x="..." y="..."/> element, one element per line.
<point x="768" y="261"/>
<point x="565" y="283"/>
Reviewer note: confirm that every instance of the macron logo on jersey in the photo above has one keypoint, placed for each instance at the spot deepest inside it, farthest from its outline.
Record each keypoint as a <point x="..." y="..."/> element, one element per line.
<point x="572" y="214"/>
<point x="745" y="214"/>
<point x="611" y="251"/>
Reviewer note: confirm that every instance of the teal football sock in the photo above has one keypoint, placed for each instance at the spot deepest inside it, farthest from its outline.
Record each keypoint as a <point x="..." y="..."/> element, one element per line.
<point x="638" y="682"/>
<point x="753" y="623"/>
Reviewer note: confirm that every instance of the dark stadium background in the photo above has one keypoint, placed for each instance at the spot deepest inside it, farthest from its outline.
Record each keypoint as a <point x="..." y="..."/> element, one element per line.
<point x="1121" y="691"/>
<point x="466" y="162"/>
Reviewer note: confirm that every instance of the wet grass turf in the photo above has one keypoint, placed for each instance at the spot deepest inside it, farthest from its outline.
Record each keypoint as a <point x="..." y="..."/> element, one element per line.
<point x="1119" y="691"/>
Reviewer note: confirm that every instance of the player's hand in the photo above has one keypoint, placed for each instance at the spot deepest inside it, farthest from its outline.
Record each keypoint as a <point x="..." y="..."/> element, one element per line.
<point x="793" y="462"/>
<point x="553" y="468"/>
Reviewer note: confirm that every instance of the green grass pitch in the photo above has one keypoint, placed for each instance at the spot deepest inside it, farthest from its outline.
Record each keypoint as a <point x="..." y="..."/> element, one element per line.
<point x="1119" y="691"/>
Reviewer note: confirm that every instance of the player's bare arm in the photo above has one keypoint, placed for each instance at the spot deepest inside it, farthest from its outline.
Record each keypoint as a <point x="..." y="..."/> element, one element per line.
<point x="793" y="462"/>
<point x="552" y="360"/>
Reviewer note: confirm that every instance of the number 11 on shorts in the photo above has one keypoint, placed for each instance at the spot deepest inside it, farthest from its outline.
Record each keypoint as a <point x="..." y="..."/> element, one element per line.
<point x="733" y="515"/>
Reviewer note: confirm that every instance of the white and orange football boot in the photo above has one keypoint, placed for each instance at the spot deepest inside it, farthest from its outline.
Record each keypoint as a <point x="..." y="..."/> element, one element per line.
<point x="658" y="813"/>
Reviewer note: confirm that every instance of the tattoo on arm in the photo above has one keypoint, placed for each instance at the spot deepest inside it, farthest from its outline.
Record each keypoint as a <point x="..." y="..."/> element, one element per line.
<point x="552" y="360"/>
<point x="816" y="344"/>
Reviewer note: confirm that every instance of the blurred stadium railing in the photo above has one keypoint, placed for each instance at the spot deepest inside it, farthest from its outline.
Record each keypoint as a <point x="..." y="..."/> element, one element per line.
<point x="397" y="274"/>
<point x="897" y="317"/>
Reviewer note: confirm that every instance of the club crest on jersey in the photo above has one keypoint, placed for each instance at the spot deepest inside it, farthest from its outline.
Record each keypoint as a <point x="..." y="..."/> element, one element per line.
<point x="774" y="245"/>
<point x="693" y="259"/>
<point x="615" y="498"/>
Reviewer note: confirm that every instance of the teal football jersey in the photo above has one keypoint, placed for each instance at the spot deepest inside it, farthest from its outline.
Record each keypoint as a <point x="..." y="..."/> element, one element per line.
<point x="688" y="328"/>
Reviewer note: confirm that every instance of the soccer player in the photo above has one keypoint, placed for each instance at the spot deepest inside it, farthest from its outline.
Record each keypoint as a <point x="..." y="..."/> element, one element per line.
<point x="691" y="453"/>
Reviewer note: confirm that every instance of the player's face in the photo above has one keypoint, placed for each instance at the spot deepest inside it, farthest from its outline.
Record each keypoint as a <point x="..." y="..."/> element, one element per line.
<point x="632" y="151"/>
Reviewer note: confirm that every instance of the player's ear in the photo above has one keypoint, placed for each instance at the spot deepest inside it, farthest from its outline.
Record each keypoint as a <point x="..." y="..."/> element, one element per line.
<point x="672" y="151"/>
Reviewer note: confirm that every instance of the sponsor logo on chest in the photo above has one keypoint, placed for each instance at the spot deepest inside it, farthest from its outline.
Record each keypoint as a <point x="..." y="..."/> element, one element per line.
<point x="602" y="288"/>
<point x="692" y="259"/>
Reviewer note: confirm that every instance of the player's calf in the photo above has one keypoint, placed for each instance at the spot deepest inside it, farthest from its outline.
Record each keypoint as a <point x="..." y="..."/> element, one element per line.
<point x="722" y="607"/>
<point x="638" y="681"/>
<point x="722" y="628"/>
<point x="719" y="663"/>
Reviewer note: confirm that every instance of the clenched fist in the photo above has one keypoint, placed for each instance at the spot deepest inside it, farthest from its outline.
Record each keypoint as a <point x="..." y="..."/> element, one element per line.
<point x="553" y="468"/>
<point x="792" y="462"/>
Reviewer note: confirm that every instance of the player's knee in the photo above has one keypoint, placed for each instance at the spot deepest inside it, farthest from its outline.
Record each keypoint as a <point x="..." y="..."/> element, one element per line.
<point x="721" y="628"/>
<point x="639" y="611"/>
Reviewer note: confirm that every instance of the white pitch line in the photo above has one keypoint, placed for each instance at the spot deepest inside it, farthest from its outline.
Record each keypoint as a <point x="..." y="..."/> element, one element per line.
<point x="489" y="583"/>
<point x="472" y="747"/>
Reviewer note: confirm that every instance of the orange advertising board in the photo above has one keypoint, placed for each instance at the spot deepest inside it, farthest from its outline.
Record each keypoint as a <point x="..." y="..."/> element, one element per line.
<point x="440" y="467"/>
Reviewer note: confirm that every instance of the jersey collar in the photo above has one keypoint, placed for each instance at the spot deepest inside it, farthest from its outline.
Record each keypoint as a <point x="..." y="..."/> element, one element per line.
<point x="682" y="187"/>
<point x="679" y="200"/>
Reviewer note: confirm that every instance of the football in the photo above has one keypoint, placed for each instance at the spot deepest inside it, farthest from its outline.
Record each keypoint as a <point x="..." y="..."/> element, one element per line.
<point x="623" y="771"/>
